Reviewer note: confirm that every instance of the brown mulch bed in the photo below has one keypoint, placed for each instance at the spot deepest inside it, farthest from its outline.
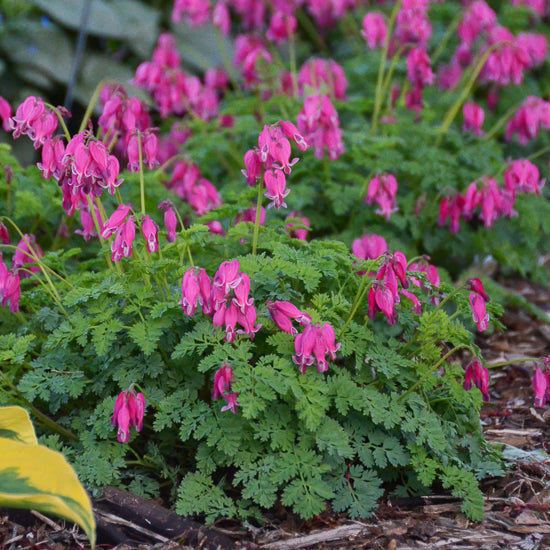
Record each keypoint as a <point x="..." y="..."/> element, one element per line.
<point x="517" y="506"/>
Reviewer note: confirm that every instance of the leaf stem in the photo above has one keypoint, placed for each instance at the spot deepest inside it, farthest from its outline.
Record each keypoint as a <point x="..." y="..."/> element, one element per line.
<point x="258" y="215"/>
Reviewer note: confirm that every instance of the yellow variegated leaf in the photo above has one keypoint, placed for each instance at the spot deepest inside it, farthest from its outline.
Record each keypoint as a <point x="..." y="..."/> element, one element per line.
<point x="15" y="424"/>
<point x="38" y="478"/>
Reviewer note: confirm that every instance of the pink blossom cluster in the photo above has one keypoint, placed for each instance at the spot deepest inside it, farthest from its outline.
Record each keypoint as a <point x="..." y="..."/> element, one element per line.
<point x="225" y="299"/>
<point x="319" y="123"/>
<point x="124" y="225"/>
<point x="25" y="255"/>
<point x="510" y="56"/>
<point x="188" y="183"/>
<point x="174" y="91"/>
<point x="126" y="120"/>
<point x="313" y="343"/>
<point x="384" y="293"/>
<point x="84" y="167"/>
<point x="412" y="25"/>
<point x="533" y="114"/>
<point x="478" y="301"/>
<point x="271" y="160"/>
<point x="431" y="277"/>
<point x="369" y="247"/>
<point x="374" y="29"/>
<point x="493" y="200"/>
<point x="170" y="219"/>
<point x="250" y="52"/>
<point x="32" y="118"/>
<point x="382" y="190"/>
<point x="222" y="388"/>
<point x="477" y="374"/>
<point x="128" y="411"/>
<point x="255" y="15"/>
<point x="419" y="73"/>
<point x="323" y="75"/>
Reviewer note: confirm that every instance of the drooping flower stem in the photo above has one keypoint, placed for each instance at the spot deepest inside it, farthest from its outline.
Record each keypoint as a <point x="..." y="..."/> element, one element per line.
<point x="513" y="362"/>
<point x="434" y="368"/>
<point x="98" y="229"/>
<point x="91" y="105"/>
<point x="501" y="122"/>
<point x="61" y="121"/>
<point x="446" y="37"/>
<point x="361" y="292"/>
<point x="293" y="69"/>
<point x="258" y="215"/>
<point x="381" y="68"/>
<point x="141" y="178"/>
<point x="453" y="111"/>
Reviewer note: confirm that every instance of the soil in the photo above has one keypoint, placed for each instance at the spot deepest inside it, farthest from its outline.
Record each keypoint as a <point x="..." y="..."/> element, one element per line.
<point x="517" y="506"/>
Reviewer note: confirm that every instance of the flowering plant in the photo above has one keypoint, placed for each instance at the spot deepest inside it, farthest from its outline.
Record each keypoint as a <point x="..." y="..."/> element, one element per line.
<point x="263" y="356"/>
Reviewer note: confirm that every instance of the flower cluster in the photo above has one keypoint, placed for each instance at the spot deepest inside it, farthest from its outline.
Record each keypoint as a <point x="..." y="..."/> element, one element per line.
<point x="319" y="123"/>
<point x="382" y="191"/>
<point x="384" y="292"/>
<point x="318" y="74"/>
<point x="174" y="91"/>
<point x="533" y="114"/>
<point x="508" y="56"/>
<point x="33" y="119"/>
<point x="271" y="160"/>
<point x="188" y="183"/>
<point x="225" y="299"/>
<point x="129" y="411"/>
<point x="494" y="201"/>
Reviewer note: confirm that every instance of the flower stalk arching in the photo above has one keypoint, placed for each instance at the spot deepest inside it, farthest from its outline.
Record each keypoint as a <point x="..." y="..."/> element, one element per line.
<point x="61" y="121"/>
<point x="433" y="369"/>
<point x="453" y="111"/>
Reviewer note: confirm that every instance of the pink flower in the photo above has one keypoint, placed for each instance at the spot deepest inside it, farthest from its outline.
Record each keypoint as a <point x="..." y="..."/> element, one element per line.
<point x="281" y="26"/>
<point x="369" y="247"/>
<point x="150" y="232"/>
<point x="196" y="11"/>
<point x="275" y="191"/>
<point x="25" y="255"/>
<point x="10" y="289"/>
<point x="221" y="18"/>
<point x="170" y="220"/>
<point x="451" y="207"/>
<point x="115" y="221"/>
<point x="523" y="176"/>
<point x="374" y="30"/>
<point x="5" y="114"/>
<point x="88" y="224"/>
<point x="128" y="411"/>
<point x="253" y="164"/>
<point x="284" y="312"/>
<point x="382" y="190"/>
<point x="478" y="374"/>
<point x="541" y="386"/>
<point x="479" y="311"/>
<point x="122" y="245"/>
<point x="419" y="70"/>
<point x="473" y="118"/>
<point x="317" y="74"/>
<point x="222" y="388"/>
<point x="300" y="234"/>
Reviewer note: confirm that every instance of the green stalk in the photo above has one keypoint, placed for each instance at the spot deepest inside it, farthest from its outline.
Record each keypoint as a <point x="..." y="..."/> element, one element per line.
<point x="98" y="229"/>
<point x="446" y="37"/>
<point x="453" y="111"/>
<point x="91" y="105"/>
<point x="381" y="67"/>
<point x="501" y="122"/>
<point x="61" y="121"/>
<point x="434" y="368"/>
<point x="258" y="214"/>
<point x="141" y="178"/>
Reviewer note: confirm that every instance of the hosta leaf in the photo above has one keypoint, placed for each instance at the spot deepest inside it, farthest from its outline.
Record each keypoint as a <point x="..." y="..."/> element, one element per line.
<point x="35" y="477"/>
<point x="16" y="424"/>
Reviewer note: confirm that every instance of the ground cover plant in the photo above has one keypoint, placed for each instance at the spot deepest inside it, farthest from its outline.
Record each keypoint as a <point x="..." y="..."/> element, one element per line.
<point x="262" y="285"/>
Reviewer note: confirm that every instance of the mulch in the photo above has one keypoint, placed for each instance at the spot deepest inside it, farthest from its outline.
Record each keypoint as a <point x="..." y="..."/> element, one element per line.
<point x="517" y="506"/>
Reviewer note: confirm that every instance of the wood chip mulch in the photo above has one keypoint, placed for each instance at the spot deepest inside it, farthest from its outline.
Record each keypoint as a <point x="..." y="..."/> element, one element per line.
<point x="517" y="506"/>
